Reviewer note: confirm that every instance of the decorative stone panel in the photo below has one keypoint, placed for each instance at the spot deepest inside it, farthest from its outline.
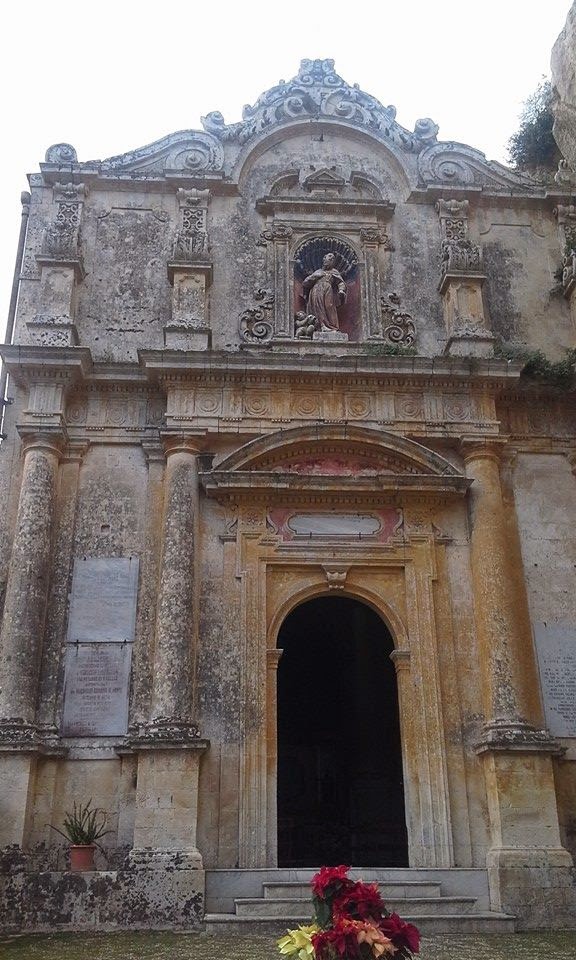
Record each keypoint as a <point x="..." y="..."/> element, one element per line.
<point x="61" y="266"/>
<point x="461" y="281"/>
<point x="190" y="273"/>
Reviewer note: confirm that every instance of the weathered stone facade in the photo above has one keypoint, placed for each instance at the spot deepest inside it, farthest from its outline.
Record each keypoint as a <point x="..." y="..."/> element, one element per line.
<point x="564" y="78"/>
<point x="262" y="363"/>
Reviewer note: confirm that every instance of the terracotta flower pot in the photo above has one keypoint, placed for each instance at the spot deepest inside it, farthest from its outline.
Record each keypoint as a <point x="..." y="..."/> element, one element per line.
<point x="82" y="857"/>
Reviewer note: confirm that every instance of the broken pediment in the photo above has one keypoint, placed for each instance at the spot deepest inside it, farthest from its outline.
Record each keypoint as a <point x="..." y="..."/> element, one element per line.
<point x="316" y="94"/>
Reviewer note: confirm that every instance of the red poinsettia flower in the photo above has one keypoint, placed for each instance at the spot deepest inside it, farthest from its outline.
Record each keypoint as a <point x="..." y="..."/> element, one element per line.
<point x="361" y="901"/>
<point x="341" y="940"/>
<point x="402" y="934"/>
<point x="330" y="880"/>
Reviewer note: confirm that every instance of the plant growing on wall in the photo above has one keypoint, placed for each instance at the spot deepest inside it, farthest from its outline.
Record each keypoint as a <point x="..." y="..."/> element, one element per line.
<point x="533" y="147"/>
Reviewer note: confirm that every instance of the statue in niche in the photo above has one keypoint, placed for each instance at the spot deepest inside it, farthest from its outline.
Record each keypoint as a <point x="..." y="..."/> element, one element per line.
<point x="325" y="290"/>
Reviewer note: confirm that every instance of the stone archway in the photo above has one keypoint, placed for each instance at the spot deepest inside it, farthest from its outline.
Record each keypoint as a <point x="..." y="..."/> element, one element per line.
<point x="340" y="789"/>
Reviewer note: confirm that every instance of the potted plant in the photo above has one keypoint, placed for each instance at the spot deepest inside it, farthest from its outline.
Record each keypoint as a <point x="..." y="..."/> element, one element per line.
<point x="83" y="826"/>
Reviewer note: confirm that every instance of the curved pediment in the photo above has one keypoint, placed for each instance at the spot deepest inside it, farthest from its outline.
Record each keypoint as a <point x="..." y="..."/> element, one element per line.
<point x="333" y="460"/>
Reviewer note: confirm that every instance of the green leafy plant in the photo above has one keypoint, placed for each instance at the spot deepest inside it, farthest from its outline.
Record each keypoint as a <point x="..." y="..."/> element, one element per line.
<point x="537" y="366"/>
<point x="533" y="147"/>
<point x="390" y="350"/>
<point x="84" y="825"/>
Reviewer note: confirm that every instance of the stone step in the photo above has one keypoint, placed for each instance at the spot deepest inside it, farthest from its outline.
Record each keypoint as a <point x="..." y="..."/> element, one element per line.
<point x="297" y="889"/>
<point x="229" y="923"/>
<point x="302" y="907"/>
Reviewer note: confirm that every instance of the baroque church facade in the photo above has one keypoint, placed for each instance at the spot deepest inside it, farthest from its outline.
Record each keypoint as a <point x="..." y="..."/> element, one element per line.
<point x="286" y="541"/>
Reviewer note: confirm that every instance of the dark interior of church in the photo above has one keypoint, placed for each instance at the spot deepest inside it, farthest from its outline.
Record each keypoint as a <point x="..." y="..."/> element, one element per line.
<point x="340" y="786"/>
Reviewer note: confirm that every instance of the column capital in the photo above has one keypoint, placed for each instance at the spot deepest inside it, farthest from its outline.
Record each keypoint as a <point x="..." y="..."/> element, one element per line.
<point x="401" y="660"/>
<point x="273" y="657"/>
<point x="50" y="441"/>
<point x="483" y="448"/>
<point x="192" y="443"/>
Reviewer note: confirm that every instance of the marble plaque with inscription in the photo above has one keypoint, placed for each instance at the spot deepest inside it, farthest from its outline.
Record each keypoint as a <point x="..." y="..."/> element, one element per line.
<point x="103" y="600"/>
<point x="556" y="647"/>
<point x="96" y="685"/>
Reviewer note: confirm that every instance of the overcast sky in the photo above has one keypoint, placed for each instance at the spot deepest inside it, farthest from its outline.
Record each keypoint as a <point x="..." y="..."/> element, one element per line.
<point x="116" y="74"/>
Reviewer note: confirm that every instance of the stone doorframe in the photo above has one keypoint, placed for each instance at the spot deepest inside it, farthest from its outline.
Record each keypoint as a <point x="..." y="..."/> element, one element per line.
<point x="274" y="584"/>
<point x="393" y="570"/>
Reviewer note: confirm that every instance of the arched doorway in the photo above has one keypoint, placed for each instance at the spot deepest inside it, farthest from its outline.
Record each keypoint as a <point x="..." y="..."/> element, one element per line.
<point x="340" y="786"/>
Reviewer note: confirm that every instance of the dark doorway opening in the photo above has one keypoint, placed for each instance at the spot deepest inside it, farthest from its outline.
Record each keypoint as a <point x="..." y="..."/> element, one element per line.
<point x="340" y="786"/>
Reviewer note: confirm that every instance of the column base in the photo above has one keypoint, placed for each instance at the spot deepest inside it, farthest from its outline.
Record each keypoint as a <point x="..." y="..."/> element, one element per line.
<point x="151" y="858"/>
<point x="536" y="885"/>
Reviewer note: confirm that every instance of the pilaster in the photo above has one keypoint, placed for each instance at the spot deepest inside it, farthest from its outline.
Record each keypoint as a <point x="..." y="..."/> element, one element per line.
<point x="526" y="851"/>
<point x="461" y="281"/>
<point x="190" y="273"/>
<point x="61" y="266"/>
<point x="169" y="745"/>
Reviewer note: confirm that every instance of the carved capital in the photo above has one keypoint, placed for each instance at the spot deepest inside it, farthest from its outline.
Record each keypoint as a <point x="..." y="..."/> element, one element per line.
<point x="273" y="657"/>
<point x="374" y="236"/>
<point x="473" y="448"/>
<point x="401" y="660"/>
<point x="277" y="232"/>
<point x="182" y="443"/>
<point x="460" y="257"/>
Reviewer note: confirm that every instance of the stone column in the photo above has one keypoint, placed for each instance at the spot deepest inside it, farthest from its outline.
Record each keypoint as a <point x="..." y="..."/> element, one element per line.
<point x="526" y="853"/>
<point x="176" y="627"/>
<point x="22" y="632"/>
<point x="28" y="581"/>
<point x="169" y="745"/>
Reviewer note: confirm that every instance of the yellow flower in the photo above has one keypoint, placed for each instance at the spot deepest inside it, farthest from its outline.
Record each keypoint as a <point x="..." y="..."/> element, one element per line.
<point x="299" y="942"/>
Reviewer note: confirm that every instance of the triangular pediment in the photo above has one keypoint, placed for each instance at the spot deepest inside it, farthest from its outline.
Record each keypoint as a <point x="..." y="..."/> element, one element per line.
<point x="322" y="180"/>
